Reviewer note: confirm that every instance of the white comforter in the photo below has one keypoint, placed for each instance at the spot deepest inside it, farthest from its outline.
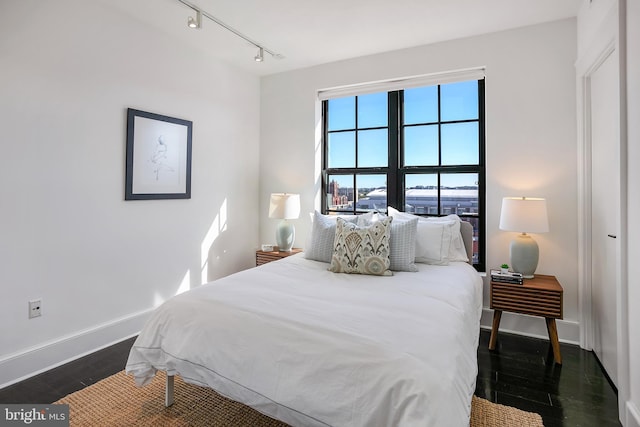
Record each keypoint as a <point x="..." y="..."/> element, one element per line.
<point x="315" y="348"/>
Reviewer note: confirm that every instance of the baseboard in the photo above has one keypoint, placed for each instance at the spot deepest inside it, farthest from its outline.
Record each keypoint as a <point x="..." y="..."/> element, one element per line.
<point x="532" y="326"/>
<point x="32" y="361"/>
<point x="633" y="415"/>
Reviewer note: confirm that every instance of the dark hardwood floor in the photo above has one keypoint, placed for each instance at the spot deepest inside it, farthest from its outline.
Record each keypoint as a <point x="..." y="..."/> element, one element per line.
<point x="73" y="376"/>
<point x="519" y="373"/>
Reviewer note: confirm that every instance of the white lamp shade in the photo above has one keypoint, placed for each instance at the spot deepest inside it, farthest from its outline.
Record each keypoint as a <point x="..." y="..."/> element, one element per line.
<point x="524" y="214"/>
<point x="284" y="206"/>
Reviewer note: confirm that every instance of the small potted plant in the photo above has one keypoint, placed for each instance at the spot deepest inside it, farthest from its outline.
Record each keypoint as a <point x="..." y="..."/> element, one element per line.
<point x="504" y="268"/>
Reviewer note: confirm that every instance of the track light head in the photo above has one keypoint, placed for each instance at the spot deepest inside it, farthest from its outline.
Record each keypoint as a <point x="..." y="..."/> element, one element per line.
<point x="260" y="56"/>
<point x="195" y="22"/>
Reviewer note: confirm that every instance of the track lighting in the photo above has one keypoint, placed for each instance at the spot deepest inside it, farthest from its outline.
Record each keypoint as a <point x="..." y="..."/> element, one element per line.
<point x="260" y="56"/>
<point x="197" y="22"/>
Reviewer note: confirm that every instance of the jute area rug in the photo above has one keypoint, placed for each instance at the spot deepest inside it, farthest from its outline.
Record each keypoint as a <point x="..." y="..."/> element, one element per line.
<point x="116" y="401"/>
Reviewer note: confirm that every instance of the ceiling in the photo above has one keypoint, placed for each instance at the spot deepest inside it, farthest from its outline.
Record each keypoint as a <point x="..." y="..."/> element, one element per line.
<point x="308" y="33"/>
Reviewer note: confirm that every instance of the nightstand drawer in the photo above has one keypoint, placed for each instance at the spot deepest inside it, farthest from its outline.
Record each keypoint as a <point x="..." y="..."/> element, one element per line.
<point x="521" y="299"/>
<point x="263" y="257"/>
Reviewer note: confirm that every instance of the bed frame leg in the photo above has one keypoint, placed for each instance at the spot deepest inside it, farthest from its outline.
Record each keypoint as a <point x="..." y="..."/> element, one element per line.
<point x="168" y="392"/>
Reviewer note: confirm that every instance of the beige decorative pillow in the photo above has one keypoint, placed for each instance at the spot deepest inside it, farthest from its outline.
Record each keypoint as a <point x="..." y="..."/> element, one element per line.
<point x="362" y="250"/>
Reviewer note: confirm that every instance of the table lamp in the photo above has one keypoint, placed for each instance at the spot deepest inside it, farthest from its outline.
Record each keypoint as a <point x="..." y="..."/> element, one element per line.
<point x="284" y="206"/>
<point x="525" y="215"/>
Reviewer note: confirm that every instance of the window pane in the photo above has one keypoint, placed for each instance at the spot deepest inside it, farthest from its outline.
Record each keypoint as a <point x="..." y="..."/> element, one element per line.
<point x="459" y="194"/>
<point x="421" y="193"/>
<point x="460" y="144"/>
<point x="340" y="192"/>
<point x="421" y="105"/>
<point x="342" y="150"/>
<point x="372" y="110"/>
<point x="372" y="192"/>
<point x="459" y="101"/>
<point x="373" y="148"/>
<point x="421" y="145"/>
<point x="342" y="113"/>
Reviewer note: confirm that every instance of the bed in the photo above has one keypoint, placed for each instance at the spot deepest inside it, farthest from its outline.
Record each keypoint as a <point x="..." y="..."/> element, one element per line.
<point x="311" y="347"/>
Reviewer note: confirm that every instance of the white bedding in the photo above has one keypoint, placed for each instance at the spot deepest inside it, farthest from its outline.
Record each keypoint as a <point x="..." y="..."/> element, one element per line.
<point x="315" y="348"/>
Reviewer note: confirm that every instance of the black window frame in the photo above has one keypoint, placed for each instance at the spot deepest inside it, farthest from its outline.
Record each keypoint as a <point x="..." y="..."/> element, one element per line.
<point x="396" y="172"/>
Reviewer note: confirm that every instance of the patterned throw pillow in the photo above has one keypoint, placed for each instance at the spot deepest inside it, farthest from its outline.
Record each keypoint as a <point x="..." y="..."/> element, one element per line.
<point x="362" y="250"/>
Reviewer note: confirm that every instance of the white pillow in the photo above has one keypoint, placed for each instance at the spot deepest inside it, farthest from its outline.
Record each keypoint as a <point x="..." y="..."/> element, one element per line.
<point x="433" y="242"/>
<point x="319" y="246"/>
<point x="457" y="251"/>
<point x="449" y="234"/>
<point x="402" y="241"/>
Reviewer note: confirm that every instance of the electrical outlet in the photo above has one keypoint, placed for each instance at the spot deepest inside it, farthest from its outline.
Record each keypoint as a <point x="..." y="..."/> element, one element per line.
<point x="35" y="307"/>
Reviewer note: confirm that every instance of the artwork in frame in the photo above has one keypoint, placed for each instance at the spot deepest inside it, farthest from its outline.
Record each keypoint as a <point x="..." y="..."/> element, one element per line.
<point x="158" y="156"/>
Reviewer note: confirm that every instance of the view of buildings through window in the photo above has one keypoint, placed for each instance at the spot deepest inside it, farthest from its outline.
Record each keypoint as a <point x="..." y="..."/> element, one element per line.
<point x="419" y="150"/>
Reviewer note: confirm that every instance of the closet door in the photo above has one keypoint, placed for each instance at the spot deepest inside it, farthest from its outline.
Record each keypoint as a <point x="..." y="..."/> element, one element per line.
<point x="605" y="208"/>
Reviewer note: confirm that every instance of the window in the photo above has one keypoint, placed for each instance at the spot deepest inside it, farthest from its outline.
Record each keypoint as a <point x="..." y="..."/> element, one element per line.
<point x="420" y="150"/>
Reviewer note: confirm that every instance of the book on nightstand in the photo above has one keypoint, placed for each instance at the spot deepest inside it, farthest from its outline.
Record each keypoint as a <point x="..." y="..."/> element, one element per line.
<point x="509" y="277"/>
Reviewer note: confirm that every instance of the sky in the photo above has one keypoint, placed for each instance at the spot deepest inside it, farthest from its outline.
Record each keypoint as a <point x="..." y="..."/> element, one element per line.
<point x="420" y="130"/>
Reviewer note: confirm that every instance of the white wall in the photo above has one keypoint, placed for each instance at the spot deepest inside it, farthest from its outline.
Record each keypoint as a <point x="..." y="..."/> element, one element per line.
<point x="601" y="22"/>
<point x="530" y="133"/>
<point x="69" y="70"/>
<point x="592" y="15"/>
<point x="633" y="200"/>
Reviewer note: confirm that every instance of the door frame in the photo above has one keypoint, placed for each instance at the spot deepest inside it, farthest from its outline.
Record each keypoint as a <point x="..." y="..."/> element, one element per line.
<point x="607" y="40"/>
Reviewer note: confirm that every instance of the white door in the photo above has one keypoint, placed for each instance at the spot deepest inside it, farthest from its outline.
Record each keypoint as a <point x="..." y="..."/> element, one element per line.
<point x="605" y="206"/>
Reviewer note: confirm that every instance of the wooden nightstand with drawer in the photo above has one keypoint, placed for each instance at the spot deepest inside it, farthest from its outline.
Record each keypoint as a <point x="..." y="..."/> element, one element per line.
<point x="540" y="296"/>
<point x="263" y="257"/>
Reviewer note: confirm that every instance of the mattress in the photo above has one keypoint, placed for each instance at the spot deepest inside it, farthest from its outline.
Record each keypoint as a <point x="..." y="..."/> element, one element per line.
<point x="314" y="348"/>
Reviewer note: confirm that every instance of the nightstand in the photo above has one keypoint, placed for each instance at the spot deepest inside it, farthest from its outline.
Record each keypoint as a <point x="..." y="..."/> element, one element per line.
<point x="263" y="257"/>
<point x="540" y="296"/>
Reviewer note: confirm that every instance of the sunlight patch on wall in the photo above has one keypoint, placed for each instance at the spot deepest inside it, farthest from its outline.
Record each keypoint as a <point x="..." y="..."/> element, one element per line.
<point x="218" y="226"/>
<point x="157" y="299"/>
<point x="185" y="285"/>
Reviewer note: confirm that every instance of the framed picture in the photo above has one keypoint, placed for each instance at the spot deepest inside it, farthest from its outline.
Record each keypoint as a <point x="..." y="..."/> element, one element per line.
<point x="158" y="157"/>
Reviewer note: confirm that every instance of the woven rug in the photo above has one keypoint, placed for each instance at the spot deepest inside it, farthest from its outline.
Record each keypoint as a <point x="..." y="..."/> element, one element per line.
<point x="116" y="401"/>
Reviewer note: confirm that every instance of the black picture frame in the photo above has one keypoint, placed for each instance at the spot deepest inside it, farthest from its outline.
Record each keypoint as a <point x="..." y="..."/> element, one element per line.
<point x="158" y="163"/>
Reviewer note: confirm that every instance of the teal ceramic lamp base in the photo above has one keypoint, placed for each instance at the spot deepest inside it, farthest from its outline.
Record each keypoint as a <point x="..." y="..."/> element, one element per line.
<point x="524" y="255"/>
<point x="285" y="235"/>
